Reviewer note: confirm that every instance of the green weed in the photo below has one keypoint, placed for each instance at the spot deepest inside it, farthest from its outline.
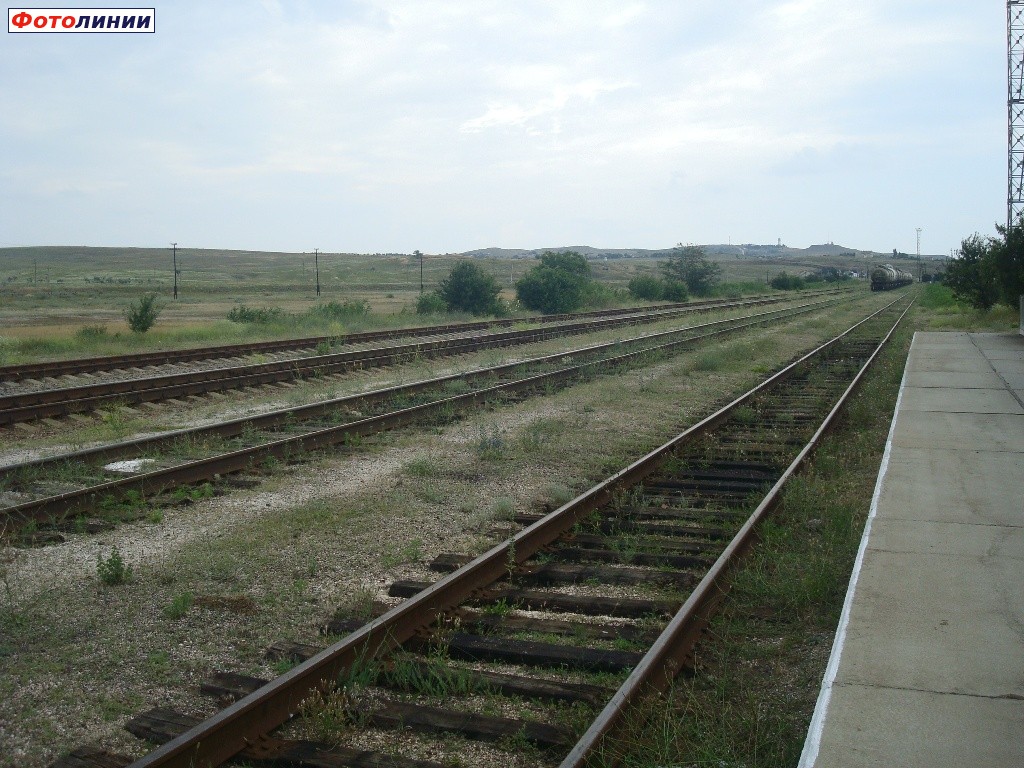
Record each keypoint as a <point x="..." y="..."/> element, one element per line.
<point x="113" y="570"/>
<point x="434" y="677"/>
<point x="411" y="552"/>
<point x="179" y="606"/>
<point x="502" y="508"/>
<point x="491" y="444"/>
<point x="421" y="466"/>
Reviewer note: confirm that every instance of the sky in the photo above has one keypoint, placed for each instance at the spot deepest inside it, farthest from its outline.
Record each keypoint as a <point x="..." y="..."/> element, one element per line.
<point x="448" y="125"/>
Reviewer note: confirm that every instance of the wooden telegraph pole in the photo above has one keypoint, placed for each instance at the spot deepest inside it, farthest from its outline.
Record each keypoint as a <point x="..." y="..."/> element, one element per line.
<point x="174" y="246"/>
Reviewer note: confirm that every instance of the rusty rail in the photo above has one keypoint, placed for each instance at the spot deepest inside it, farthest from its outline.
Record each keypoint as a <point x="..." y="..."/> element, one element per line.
<point x="46" y="509"/>
<point x="247" y="721"/>
<point x="62" y="401"/>
<point x="112" y="362"/>
<point x="666" y="657"/>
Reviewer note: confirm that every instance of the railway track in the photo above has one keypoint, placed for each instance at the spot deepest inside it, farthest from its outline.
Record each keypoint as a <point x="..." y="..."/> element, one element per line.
<point x="166" y="461"/>
<point x="53" y="369"/>
<point x="617" y="584"/>
<point x="80" y="398"/>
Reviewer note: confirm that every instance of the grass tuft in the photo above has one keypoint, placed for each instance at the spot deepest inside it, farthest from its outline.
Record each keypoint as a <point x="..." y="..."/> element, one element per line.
<point x="178" y="606"/>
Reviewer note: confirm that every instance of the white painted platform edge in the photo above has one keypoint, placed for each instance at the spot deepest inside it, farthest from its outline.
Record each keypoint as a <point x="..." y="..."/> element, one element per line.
<point x="809" y="755"/>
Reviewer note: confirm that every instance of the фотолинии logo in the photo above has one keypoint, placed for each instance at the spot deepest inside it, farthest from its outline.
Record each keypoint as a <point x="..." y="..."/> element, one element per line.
<point x="81" y="20"/>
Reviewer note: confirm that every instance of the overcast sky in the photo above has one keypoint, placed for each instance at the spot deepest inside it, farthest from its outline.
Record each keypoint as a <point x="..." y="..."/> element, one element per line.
<point x="449" y="125"/>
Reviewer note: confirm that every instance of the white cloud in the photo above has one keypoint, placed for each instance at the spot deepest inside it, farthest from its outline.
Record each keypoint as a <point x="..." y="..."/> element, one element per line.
<point x="575" y="118"/>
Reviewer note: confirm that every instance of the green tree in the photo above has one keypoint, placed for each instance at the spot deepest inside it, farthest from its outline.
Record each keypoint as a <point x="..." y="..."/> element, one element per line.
<point x="468" y="288"/>
<point x="1007" y="262"/>
<point x="568" y="261"/>
<point x="691" y="266"/>
<point x="972" y="276"/>
<point x="558" y="284"/>
<point x="141" y="315"/>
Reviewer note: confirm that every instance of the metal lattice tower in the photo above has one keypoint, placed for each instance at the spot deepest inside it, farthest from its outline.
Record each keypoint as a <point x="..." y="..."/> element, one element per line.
<point x="1015" y="110"/>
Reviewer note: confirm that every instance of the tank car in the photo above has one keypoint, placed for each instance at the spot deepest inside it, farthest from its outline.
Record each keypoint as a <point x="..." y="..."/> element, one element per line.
<point x="886" y="277"/>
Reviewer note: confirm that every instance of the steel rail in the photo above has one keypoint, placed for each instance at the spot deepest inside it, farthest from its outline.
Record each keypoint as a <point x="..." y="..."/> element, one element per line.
<point x="60" y="505"/>
<point x="293" y="414"/>
<point x="675" y="645"/>
<point x="116" y="362"/>
<point x="246" y="722"/>
<point x="57" y="402"/>
<point x="55" y="368"/>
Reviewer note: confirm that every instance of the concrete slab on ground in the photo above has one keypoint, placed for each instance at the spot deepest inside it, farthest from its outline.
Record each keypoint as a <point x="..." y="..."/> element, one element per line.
<point x="942" y="617"/>
<point x="883" y="727"/>
<point x="967" y="400"/>
<point x="961" y="431"/>
<point x="946" y="379"/>
<point x="953" y="486"/>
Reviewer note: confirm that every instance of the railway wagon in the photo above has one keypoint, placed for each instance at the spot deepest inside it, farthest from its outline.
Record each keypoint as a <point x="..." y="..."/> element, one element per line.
<point x="886" y="277"/>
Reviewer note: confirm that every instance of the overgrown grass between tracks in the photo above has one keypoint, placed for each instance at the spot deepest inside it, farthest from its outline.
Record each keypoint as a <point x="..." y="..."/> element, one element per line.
<point x="757" y="674"/>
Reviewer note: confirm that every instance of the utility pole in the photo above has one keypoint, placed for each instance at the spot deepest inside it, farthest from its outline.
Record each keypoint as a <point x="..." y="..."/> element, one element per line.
<point x="174" y="246"/>
<point x="316" y="260"/>
<point x="920" y="270"/>
<point x="417" y="253"/>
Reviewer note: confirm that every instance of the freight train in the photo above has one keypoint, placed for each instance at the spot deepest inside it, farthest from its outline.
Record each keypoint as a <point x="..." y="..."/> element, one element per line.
<point x="887" y="277"/>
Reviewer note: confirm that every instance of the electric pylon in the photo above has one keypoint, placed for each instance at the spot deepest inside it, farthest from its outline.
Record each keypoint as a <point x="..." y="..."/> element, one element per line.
<point x="1015" y="110"/>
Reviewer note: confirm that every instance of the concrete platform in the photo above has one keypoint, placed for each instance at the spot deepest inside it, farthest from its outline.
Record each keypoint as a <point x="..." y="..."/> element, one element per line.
<point x="927" y="668"/>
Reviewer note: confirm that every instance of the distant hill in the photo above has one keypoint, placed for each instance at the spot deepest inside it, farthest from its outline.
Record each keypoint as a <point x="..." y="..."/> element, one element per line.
<point x="745" y="250"/>
<point x="586" y="250"/>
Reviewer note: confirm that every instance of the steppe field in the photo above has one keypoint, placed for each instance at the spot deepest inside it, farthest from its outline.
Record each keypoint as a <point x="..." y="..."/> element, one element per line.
<point x="51" y="293"/>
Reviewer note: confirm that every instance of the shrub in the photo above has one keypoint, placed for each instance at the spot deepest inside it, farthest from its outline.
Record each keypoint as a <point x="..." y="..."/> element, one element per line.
<point x="468" y="288"/>
<point x="256" y="315"/>
<point x="647" y="287"/>
<point x="332" y="310"/>
<point x="676" y="291"/>
<point x="141" y="314"/>
<point x="430" y="304"/>
<point x="786" y="282"/>
<point x="560" y="283"/>
<point x="550" y="291"/>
